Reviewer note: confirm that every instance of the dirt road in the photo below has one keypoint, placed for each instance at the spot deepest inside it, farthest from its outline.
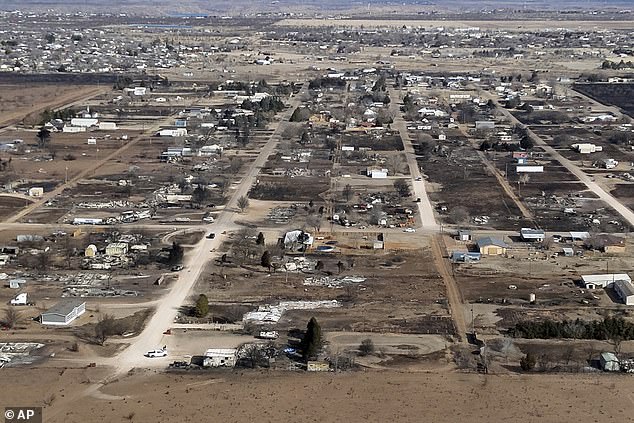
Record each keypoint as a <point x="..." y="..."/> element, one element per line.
<point x="152" y="335"/>
<point x="454" y="298"/>
<point x="425" y="208"/>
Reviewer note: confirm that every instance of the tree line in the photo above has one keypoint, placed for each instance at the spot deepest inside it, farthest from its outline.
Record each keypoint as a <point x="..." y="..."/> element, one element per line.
<point x="609" y="328"/>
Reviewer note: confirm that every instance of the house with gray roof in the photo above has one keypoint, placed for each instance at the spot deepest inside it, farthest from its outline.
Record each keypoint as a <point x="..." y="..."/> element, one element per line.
<point x="63" y="313"/>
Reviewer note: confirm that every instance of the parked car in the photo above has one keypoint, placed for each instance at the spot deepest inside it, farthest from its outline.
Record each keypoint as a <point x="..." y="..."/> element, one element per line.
<point x="177" y="268"/>
<point x="211" y="235"/>
<point x="156" y="353"/>
<point x="409" y="230"/>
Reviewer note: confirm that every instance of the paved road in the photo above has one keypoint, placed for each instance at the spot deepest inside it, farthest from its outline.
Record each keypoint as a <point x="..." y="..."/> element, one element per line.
<point x="425" y="208"/>
<point x="609" y="199"/>
<point x="197" y="260"/>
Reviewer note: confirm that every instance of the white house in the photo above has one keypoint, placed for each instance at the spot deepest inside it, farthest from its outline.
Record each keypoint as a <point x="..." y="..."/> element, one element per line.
<point x="177" y="132"/>
<point x="84" y="122"/>
<point x="529" y="169"/>
<point x="377" y="173"/>
<point x="586" y="148"/>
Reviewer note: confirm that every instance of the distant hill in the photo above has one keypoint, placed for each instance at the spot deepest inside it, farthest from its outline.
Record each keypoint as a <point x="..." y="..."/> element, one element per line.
<point x="236" y="6"/>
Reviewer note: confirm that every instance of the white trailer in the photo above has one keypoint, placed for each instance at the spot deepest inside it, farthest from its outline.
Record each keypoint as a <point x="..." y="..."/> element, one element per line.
<point x="530" y="169"/>
<point x="107" y="126"/>
<point x="269" y="334"/>
<point x="87" y="221"/>
<point x="20" y="299"/>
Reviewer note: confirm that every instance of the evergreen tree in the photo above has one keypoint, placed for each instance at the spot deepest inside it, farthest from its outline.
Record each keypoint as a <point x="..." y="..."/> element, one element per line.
<point x="202" y="306"/>
<point x="312" y="339"/>
<point x="266" y="260"/>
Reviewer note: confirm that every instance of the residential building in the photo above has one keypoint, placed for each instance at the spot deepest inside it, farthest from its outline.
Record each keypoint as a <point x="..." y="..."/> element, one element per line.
<point x="63" y="313"/>
<point x="492" y="246"/>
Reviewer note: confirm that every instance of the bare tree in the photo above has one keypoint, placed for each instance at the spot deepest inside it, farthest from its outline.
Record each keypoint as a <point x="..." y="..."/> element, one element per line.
<point x="70" y="248"/>
<point x="375" y="215"/>
<point x="243" y="203"/>
<point x="459" y="215"/>
<point x="395" y="164"/>
<point x="105" y="328"/>
<point x="548" y="242"/>
<point x="12" y="318"/>
<point x="234" y="165"/>
<point x="347" y="192"/>
<point x="314" y="221"/>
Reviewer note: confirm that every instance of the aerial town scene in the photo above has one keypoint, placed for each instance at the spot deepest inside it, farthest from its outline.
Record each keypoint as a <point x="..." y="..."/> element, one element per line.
<point x="317" y="211"/>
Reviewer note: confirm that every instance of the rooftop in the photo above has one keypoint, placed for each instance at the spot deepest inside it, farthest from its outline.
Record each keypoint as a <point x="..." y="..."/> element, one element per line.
<point x="492" y="241"/>
<point x="64" y="307"/>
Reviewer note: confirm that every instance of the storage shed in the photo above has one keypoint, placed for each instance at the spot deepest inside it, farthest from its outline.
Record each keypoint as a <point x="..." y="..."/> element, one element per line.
<point x="603" y="280"/>
<point x="609" y="362"/>
<point x="625" y="291"/>
<point x="532" y="235"/>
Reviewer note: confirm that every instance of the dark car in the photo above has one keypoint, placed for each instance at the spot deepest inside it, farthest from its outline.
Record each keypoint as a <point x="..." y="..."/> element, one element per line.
<point x="211" y="235"/>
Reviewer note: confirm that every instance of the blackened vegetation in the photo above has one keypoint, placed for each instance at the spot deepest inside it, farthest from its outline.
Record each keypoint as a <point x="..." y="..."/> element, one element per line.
<point x="620" y="95"/>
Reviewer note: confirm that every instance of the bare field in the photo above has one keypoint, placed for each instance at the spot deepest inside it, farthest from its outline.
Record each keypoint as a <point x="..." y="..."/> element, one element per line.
<point x="499" y="24"/>
<point x="22" y="102"/>
<point x="355" y="397"/>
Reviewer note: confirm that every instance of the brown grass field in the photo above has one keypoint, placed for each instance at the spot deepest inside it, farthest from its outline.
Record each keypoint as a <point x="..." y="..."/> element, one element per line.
<point x="353" y="397"/>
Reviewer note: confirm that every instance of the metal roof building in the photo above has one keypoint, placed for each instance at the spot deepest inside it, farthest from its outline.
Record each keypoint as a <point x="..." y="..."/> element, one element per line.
<point x="625" y="291"/>
<point x="603" y="280"/>
<point x="63" y="313"/>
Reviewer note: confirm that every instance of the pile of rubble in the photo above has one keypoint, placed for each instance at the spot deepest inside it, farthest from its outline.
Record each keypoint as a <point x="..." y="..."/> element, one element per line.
<point x="329" y="282"/>
<point x="14" y="352"/>
<point x="113" y="204"/>
<point x="299" y="264"/>
<point x="282" y="215"/>
<point x="273" y="313"/>
<point x="91" y="285"/>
